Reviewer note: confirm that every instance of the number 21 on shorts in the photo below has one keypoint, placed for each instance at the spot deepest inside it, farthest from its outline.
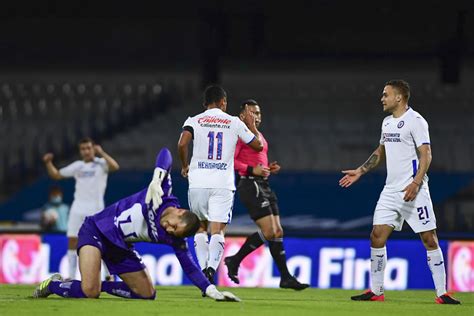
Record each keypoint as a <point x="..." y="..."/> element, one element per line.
<point x="423" y="213"/>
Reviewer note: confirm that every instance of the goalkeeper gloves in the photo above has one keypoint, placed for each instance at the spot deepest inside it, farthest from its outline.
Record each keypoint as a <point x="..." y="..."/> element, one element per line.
<point x="155" y="191"/>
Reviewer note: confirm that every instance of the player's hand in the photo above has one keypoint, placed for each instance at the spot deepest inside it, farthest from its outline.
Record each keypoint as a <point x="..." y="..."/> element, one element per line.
<point x="155" y="191"/>
<point x="249" y="118"/>
<point x="212" y="292"/>
<point x="48" y="157"/>
<point x="350" y="177"/>
<point x="98" y="150"/>
<point x="411" y="191"/>
<point x="261" y="171"/>
<point x="274" y="167"/>
<point x="184" y="171"/>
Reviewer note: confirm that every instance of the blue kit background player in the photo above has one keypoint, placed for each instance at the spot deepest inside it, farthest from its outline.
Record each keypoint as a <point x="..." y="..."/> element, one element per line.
<point x="151" y="215"/>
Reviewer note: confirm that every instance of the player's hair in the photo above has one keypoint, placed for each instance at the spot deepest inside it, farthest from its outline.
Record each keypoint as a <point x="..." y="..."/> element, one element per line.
<point x="247" y="102"/>
<point x="402" y="87"/>
<point x="213" y="94"/>
<point x="85" y="140"/>
<point x="192" y="223"/>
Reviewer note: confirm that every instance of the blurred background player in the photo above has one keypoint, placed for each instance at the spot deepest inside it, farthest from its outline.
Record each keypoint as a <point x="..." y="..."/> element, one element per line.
<point x="151" y="215"/>
<point x="90" y="174"/>
<point x="262" y="204"/>
<point x="405" y="144"/>
<point x="55" y="213"/>
<point x="214" y="134"/>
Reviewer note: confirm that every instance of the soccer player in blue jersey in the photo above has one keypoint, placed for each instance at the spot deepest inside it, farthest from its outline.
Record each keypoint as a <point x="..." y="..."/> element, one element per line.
<point x="151" y="215"/>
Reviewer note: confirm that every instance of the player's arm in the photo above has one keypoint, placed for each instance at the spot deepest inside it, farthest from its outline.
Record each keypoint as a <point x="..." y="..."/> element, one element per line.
<point x="163" y="164"/>
<point x="196" y="276"/>
<point x="53" y="172"/>
<point x="183" y="149"/>
<point x="424" y="153"/>
<point x="112" y="164"/>
<point x="351" y="176"/>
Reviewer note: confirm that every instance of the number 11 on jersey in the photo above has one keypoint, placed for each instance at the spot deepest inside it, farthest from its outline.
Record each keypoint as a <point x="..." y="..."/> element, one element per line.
<point x="219" y="136"/>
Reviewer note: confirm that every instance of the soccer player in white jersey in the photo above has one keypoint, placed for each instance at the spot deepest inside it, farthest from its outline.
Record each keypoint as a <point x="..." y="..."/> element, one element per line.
<point x="90" y="174"/>
<point x="405" y="145"/>
<point x="214" y="134"/>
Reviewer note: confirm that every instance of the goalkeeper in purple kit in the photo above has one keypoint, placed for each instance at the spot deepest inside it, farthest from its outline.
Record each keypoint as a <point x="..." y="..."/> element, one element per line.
<point x="151" y="215"/>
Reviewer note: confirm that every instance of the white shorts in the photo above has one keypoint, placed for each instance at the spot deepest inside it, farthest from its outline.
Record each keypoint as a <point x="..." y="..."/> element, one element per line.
<point x="212" y="205"/>
<point x="392" y="210"/>
<point x="78" y="214"/>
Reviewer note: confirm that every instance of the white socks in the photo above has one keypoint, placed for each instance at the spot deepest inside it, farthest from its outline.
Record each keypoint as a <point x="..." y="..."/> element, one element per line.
<point x="216" y="250"/>
<point x="72" y="258"/>
<point x="201" y="245"/>
<point x="436" y="264"/>
<point x="378" y="260"/>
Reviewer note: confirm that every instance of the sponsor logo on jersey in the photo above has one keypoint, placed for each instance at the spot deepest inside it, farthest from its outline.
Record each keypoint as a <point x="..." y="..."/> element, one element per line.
<point x="214" y="122"/>
<point x="151" y="221"/>
<point x="391" y="138"/>
<point x="86" y="174"/>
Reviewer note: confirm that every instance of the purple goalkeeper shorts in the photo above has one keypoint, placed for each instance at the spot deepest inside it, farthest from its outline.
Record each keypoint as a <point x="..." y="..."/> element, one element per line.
<point x="117" y="259"/>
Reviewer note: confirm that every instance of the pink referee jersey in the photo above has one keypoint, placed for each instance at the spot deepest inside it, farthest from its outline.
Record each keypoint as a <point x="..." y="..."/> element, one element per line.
<point x="246" y="157"/>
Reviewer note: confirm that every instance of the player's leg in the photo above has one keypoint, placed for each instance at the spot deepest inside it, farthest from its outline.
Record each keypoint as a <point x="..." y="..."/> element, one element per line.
<point x="258" y="206"/>
<point x="72" y="256"/>
<point x="90" y="245"/>
<point x="135" y="285"/>
<point x="386" y="219"/>
<point x="88" y="287"/>
<point x="75" y="221"/>
<point x="198" y="204"/>
<point x="216" y="248"/>
<point x="420" y="216"/>
<point x="221" y="202"/>
<point x="201" y="245"/>
<point x="128" y="265"/>
<point x="277" y="250"/>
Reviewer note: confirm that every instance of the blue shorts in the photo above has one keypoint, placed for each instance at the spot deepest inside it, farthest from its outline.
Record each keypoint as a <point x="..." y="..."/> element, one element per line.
<point x="117" y="259"/>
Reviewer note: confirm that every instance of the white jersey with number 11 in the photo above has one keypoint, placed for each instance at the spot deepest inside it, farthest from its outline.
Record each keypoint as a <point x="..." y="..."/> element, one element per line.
<point x="215" y="135"/>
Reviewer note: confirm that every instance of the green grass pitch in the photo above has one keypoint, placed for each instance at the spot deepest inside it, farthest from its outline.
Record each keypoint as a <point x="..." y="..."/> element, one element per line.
<point x="186" y="300"/>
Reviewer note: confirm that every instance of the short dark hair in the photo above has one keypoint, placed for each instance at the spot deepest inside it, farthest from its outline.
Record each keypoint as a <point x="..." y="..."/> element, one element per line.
<point x="85" y="140"/>
<point x="213" y="94"/>
<point x="192" y="223"/>
<point x="247" y="102"/>
<point x="402" y="87"/>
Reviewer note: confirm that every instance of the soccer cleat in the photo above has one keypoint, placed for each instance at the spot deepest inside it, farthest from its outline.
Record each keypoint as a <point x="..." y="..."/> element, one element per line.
<point x="42" y="290"/>
<point x="232" y="270"/>
<point x="447" y="299"/>
<point x="368" y="296"/>
<point x="209" y="273"/>
<point x="292" y="283"/>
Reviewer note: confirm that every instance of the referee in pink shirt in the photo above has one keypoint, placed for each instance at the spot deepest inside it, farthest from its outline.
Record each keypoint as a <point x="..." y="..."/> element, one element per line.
<point x="262" y="204"/>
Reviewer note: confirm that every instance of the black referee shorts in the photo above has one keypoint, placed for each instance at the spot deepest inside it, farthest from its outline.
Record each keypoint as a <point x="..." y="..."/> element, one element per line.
<point x="257" y="196"/>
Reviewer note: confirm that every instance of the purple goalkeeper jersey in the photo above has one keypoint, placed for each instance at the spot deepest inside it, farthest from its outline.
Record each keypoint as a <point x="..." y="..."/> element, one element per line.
<point x="131" y="220"/>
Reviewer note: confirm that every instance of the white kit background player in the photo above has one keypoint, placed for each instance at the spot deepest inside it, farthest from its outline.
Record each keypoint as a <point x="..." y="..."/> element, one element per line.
<point x="90" y="174"/>
<point x="214" y="135"/>
<point x="405" y="144"/>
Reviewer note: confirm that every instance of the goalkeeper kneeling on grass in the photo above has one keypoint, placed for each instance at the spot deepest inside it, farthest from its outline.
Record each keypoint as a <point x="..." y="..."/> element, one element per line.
<point x="151" y="215"/>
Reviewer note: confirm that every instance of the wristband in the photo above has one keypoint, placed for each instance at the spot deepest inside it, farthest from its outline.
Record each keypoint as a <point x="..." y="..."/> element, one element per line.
<point x="418" y="184"/>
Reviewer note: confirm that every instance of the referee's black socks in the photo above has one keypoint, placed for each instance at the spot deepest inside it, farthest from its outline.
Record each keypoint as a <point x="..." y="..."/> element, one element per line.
<point x="251" y="243"/>
<point x="279" y="256"/>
